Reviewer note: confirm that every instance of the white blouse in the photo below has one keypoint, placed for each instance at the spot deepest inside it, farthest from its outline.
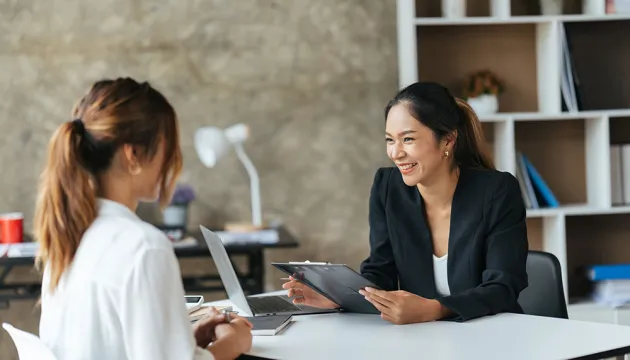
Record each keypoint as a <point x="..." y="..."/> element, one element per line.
<point x="441" y="275"/>
<point x="122" y="297"/>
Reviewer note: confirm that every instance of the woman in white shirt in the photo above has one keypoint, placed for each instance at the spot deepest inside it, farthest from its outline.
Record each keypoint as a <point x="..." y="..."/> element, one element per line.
<point x="111" y="284"/>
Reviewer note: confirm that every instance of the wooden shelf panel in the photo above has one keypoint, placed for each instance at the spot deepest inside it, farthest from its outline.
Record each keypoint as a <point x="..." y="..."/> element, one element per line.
<point x="599" y="239"/>
<point x="535" y="233"/>
<point x="488" y="132"/>
<point x="449" y="54"/>
<point x="557" y="151"/>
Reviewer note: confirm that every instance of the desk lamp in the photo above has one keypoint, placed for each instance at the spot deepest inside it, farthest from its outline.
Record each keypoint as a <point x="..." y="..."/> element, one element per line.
<point x="212" y="143"/>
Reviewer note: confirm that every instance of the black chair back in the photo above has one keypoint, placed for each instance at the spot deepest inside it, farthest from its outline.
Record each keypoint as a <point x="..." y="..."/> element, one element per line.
<point x="545" y="294"/>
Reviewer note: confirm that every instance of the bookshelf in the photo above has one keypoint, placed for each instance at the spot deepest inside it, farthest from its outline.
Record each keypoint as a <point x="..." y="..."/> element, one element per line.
<point x="570" y="149"/>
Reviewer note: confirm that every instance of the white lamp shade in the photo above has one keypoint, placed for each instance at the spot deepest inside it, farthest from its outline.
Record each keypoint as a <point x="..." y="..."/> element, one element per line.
<point x="237" y="133"/>
<point x="211" y="145"/>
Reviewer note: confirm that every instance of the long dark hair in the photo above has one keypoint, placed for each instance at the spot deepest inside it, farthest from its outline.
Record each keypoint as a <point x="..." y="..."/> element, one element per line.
<point x="111" y="114"/>
<point x="434" y="106"/>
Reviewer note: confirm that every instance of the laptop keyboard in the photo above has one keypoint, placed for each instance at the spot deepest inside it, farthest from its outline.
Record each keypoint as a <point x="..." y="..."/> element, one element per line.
<point x="270" y="304"/>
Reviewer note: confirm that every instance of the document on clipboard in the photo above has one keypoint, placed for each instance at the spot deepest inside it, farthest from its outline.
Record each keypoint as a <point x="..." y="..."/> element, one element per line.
<point x="337" y="282"/>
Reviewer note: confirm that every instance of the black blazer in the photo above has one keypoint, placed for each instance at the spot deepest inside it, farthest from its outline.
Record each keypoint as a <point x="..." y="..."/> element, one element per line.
<point x="487" y="246"/>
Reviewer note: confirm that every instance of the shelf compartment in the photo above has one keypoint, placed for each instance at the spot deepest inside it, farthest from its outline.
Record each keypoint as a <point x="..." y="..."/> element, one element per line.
<point x="488" y="8"/>
<point x="433" y="8"/>
<point x="591" y="240"/>
<point x="557" y="151"/>
<point x="620" y="130"/>
<point x="601" y="63"/>
<point x="449" y="54"/>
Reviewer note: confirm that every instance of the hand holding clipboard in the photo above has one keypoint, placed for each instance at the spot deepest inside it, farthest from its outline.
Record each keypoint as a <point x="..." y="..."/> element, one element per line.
<point x="326" y="285"/>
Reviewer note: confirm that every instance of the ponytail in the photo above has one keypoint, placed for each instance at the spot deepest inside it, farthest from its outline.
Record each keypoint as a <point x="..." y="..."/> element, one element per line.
<point x="66" y="205"/>
<point x="112" y="113"/>
<point x="471" y="149"/>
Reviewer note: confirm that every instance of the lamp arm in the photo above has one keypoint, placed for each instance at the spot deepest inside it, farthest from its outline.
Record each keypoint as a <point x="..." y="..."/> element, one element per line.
<point x="254" y="184"/>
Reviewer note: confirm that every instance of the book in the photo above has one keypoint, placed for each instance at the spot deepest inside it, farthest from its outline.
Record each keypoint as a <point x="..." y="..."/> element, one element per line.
<point x="269" y="325"/>
<point x="608" y="272"/>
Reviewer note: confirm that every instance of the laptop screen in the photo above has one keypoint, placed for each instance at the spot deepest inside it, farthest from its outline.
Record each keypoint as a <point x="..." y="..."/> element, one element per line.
<point x="226" y="271"/>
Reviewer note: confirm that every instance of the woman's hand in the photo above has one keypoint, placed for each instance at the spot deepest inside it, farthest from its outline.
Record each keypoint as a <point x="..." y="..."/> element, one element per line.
<point x="232" y="339"/>
<point x="203" y="329"/>
<point x="304" y="295"/>
<point x="402" y="307"/>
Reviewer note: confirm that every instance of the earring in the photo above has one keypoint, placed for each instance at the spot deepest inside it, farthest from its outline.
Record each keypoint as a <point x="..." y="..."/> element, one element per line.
<point x="446" y="153"/>
<point x="135" y="171"/>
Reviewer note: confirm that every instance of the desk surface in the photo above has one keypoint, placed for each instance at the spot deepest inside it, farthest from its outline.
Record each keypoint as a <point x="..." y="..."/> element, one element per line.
<point x="503" y="336"/>
<point x="286" y="240"/>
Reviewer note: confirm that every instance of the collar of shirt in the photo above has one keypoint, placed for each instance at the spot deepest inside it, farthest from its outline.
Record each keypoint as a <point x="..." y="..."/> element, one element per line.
<point x="112" y="208"/>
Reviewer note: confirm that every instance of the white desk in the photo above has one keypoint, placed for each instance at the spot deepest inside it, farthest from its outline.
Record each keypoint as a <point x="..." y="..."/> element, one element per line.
<point x="504" y="336"/>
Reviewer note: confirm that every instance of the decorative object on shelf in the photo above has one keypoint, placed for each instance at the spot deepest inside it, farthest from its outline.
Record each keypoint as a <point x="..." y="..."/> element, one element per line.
<point x="551" y="7"/>
<point x="611" y="7"/>
<point x="481" y="91"/>
<point x="176" y="214"/>
<point x="454" y="8"/>
<point x="500" y="9"/>
<point x="211" y="144"/>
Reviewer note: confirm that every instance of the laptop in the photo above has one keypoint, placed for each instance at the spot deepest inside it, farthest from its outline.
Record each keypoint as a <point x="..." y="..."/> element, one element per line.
<point x="251" y="305"/>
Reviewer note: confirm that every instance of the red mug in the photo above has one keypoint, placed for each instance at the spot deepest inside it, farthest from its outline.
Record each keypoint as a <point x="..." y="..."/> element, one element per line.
<point x="11" y="228"/>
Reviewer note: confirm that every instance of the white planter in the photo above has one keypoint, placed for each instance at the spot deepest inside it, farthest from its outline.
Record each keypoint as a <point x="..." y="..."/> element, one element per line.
<point x="484" y="104"/>
<point x="175" y="215"/>
<point x="551" y="7"/>
<point x="454" y="8"/>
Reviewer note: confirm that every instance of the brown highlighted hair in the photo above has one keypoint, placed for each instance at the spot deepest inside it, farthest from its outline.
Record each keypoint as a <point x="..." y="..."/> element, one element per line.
<point x="112" y="113"/>
<point x="434" y="106"/>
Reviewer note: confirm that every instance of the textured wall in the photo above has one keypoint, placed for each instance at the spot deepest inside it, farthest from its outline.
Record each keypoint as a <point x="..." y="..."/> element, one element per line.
<point x="310" y="77"/>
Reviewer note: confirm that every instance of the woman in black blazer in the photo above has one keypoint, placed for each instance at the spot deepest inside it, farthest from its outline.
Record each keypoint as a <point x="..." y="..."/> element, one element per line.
<point x="448" y="239"/>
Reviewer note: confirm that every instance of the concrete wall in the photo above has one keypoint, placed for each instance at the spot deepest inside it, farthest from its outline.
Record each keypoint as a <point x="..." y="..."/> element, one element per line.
<point x="310" y="77"/>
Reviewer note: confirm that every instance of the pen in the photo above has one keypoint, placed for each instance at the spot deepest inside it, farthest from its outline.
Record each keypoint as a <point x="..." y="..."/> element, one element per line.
<point x="227" y="312"/>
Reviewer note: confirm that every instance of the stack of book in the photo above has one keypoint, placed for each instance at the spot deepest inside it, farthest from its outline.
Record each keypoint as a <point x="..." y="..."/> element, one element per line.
<point x="611" y="284"/>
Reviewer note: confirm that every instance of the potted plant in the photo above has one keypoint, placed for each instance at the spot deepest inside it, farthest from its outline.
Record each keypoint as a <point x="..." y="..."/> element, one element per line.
<point x="481" y="91"/>
<point x="176" y="214"/>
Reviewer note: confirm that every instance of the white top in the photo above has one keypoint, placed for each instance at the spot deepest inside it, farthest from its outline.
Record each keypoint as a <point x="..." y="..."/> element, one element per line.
<point x="122" y="298"/>
<point x="441" y="275"/>
<point x="503" y="336"/>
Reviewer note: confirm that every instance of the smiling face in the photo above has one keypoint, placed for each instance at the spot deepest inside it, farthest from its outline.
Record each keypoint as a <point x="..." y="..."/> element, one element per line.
<point x="413" y="147"/>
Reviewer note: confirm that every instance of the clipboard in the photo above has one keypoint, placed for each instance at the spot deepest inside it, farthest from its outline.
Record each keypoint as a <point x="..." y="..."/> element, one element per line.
<point x="337" y="282"/>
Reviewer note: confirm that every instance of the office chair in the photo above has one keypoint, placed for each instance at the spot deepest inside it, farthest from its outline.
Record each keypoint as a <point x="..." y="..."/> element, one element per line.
<point x="545" y="294"/>
<point x="29" y="346"/>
